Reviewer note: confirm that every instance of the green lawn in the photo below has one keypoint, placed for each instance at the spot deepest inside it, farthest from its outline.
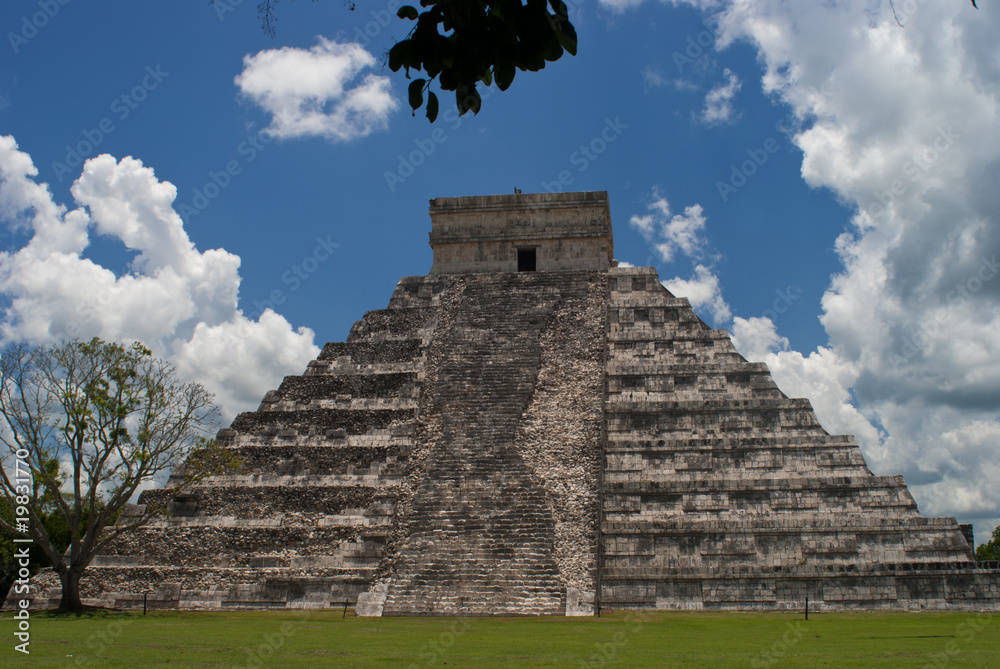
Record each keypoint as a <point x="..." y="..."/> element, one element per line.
<point x="660" y="639"/>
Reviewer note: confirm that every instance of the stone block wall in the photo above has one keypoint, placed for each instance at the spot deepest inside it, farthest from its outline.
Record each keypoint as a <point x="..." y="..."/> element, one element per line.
<point x="547" y="442"/>
<point x="567" y="231"/>
<point x="722" y="493"/>
<point x="306" y="519"/>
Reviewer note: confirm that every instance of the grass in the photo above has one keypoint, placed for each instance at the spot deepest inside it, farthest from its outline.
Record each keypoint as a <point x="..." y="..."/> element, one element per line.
<point x="651" y="639"/>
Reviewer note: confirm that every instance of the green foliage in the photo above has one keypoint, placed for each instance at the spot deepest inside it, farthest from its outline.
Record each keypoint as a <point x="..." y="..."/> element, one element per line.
<point x="88" y="423"/>
<point x="56" y="528"/>
<point x="991" y="549"/>
<point x="463" y="43"/>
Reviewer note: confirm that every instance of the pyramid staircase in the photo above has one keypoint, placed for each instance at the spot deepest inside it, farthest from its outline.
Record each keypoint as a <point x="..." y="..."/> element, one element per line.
<point x="504" y="442"/>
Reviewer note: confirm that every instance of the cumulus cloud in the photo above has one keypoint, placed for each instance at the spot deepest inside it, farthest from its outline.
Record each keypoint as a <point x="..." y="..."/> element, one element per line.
<point x="901" y="124"/>
<point x="719" y="101"/>
<point x="179" y="301"/>
<point x="620" y="5"/>
<point x="672" y="234"/>
<point x="308" y="93"/>
<point x="823" y="377"/>
<point x="703" y="291"/>
<point x="675" y="236"/>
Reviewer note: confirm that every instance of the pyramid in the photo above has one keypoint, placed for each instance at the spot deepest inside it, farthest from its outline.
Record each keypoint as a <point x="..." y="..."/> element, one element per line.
<point x="530" y="429"/>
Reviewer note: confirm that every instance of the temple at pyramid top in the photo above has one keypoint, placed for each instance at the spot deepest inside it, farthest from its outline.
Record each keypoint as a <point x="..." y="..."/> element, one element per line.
<point x="533" y="430"/>
<point x="544" y="232"/>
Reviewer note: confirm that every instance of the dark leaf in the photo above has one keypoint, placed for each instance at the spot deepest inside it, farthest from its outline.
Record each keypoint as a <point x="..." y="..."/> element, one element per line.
<point x="553" y="51"/>
<point x="566" y="34"/>
<point x="448" y="79"/>
<point x="503" y="74"/>
<point x="416" y="93"/>
<point x="432" y="107"/>
<point x="472" y="99"/>
<point x="407" y="12"/>
<point x="397" y="56"/>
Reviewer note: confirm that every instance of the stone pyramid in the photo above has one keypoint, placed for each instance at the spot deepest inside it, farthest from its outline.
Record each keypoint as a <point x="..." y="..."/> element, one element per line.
<point x="530" y="429"/>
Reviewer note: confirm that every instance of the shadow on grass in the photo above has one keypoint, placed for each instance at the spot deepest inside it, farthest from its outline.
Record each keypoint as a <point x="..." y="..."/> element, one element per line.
<point x="89" y="612"/>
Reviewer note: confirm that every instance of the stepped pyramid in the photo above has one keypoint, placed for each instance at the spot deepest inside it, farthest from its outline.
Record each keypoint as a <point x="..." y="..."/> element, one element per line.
<point x="530" y="429"/>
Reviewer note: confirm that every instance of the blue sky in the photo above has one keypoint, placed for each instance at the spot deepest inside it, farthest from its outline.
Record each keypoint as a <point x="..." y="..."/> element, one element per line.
<point x="816" y="179"/>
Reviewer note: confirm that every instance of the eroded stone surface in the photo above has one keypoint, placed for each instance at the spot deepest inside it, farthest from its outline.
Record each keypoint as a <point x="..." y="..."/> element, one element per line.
<point x="547" y="442"/>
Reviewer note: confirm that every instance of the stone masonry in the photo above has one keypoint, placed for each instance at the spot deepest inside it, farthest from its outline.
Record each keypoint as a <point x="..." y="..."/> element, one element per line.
<point x="722" y="493"/>
<point x="530" y="429"/>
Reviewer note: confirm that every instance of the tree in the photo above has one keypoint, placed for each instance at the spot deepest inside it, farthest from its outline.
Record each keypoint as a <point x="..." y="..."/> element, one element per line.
<point x="991" y="549"/>
<point x="84" y="424"/>
<point x="463" y="43"/>
<point x="55" y="527"/>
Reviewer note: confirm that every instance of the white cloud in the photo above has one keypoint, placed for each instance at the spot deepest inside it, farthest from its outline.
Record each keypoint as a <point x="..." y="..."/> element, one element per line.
<point x="672" y="234"/>
<point x="703" y="291"/>
<point x="901" y="124"/>
<point x="676" y="235"/>
<point x="653" y="78"/>
<point x="719" y="101"/>
<point x="757" y="338"/>
<point x="620" y="5"/>
<point x="306" y="91"/>
<point x="823" y="377"/>
<point x="176" y="299"/>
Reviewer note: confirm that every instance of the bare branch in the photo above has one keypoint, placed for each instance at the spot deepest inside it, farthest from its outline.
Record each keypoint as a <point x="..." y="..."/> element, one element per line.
<point x="114" y="417"/>
<point x="893" y="7"/>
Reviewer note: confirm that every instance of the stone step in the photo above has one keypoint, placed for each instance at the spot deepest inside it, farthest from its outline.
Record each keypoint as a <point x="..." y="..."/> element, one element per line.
<point x="257" y="462"/>
<point x="283" y="423"/>
<point x="255" y="502"/>
<point x="372" y="352"/>
<point x="234" y="546"/>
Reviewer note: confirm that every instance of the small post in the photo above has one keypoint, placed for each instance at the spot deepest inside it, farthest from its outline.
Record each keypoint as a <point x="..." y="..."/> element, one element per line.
<point x="807" y="607"/>
<point x="144" y="595"/>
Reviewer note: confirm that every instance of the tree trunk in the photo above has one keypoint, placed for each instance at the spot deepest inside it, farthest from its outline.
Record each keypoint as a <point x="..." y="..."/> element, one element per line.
<point x="71" y="590"/>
